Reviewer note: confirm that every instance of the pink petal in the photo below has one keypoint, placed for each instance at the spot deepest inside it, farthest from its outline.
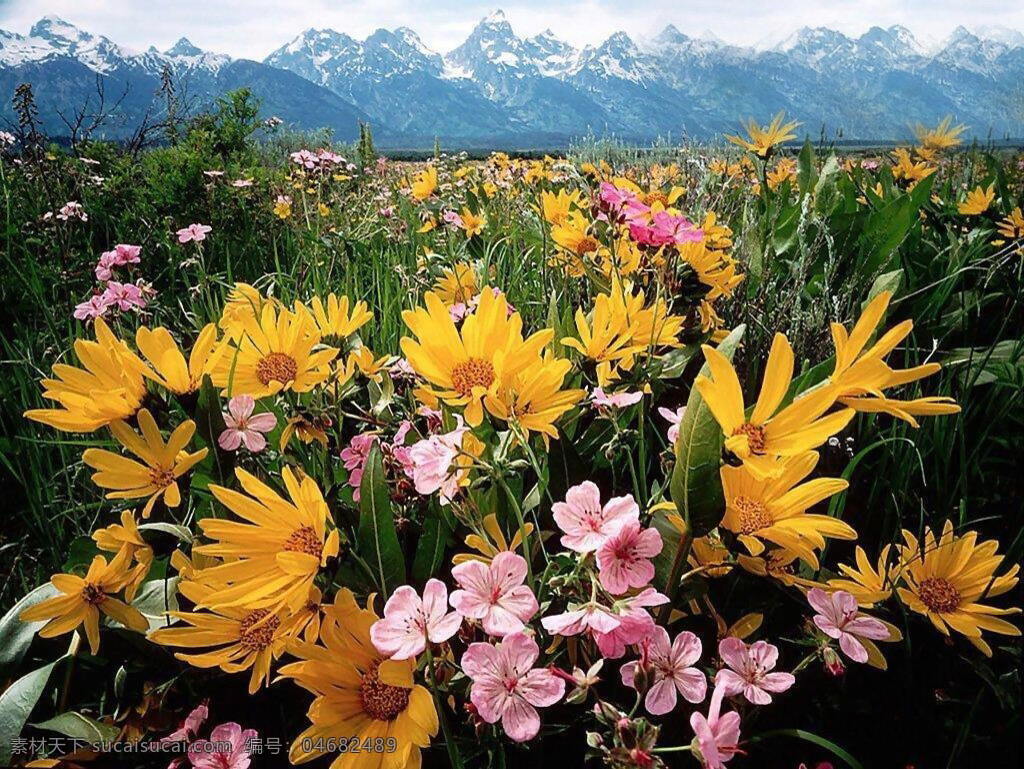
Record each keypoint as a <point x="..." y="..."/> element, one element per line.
<point x="756" y="695"/>
<point x="480" y="659"/>
<point x="254" y="441"/>
<point x="764" y="654"/>
<point x="827" y="626"/>
<point x="867" y="627"/>
<point x="520" y="601"/>
<point x="470" y="603"/>
<point x="440" y="630"/>
<point x="777" y="682"/>
<point x="241" y="407"/>
<point x="507" y="571"/>
<point x="435" y="599"/>
<point x="520" y="651"/>
<point x="491" y="698"/>
<point x="853" y="648"/>
<point x="733" y="653"/>
<point x="628" y="673"/>
<point x="730" y="682"/>
<point x="692" y="684"/>
<point x="474" y="576"/>
<point x="263" y="423"/>
<point x="540" y="687"/>
<point x="686" y="649"/>
<point x="500" y="622"/>
<point x="661" y="698"/>
<point x="404" y="602"/>
<point x="520" y="720"/>
<point x="230" y="440"/>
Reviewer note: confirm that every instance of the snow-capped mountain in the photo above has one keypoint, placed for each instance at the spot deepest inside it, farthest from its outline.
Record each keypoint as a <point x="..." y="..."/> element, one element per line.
<point x="497" y="88"/>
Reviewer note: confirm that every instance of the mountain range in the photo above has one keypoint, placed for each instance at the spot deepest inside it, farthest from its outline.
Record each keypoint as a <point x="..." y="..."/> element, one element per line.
<point x="498" y="89"/>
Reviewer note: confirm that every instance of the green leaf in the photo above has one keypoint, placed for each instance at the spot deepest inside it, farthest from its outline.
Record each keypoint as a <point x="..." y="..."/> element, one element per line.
<point x="376" y="538"/>
<point x="79" y="727"/>
<point x="16" y="704"/>
<point x="15" y="635"/>
<point x="155" y="598"/>
<point x="807" y="172"/>
<point x="80" y="554"/>
<point x="814" y="739"/>
<point x="888" y="281"/>
<point x="175" y="530"/>
<point x="696" y="487"/>
<point x="430" y="550"/>
<point x="210" y="424"/>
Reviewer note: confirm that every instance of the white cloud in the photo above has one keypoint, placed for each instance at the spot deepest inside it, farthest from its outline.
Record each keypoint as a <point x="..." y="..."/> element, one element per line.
<point x="253" y="28"/>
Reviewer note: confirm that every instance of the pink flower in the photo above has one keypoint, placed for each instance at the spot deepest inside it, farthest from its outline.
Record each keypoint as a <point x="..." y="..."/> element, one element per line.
<point x="243" y="427"/>
<point x="635" y="623"/>
<point x="127" y="254"/>
<point x="665" y="229"/>
<point x="432" y="460"/>
<point x="601" y="399"/>
<point x="495" y="593"/>
<point x="354" y="456"/>
<point x="507" y="687"/>
<point x="590" y="617"/>
<point x="749" y="674"/>
<point x="72" y="210"/>
<point x="718" y="736"/>
<point x="672" y="665"/>
<point x="409" y="621"/>
<point x="210" y="754"/>
<point x="623" y="559"/>
<point x="196" y="232"/>
<point x="190" y="726"/>
<point x="838" y="617"/>
<point x="105" y="265"/>
<point x="124" y="295"/>
<point x="674" y="418"/>
<point x="585" y="522"/>
<point x="452" y="218"/>
<point x="95" y="306"/>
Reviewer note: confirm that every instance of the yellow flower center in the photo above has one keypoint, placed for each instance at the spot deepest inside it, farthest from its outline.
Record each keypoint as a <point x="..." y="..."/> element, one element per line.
<point x="471" y="373"/>
<point x="161" y="477"/>
<point x="755" y="436"/>
<point x="304" y="540"/>
<point x="255" y="635"/>
<point x="754" y="516"/>
<point x="586" y="245"/>
<point x="380" y="701"/>
<point x="939" y="595"/>
<point x="92" y="594"/>
<point x="276" y="367"/>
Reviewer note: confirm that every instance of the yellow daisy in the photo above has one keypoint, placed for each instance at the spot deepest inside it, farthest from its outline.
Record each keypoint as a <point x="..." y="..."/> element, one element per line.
<point x="338" y="319"/>
<point x="425" y="184"/>
<point x="274" y="557"/>
<point x="126" y="535"/>
<point x="359" y="694"/>
<point x="275" y="352"/>
<point x="490" y="541"/>
<point x="170" y="369"/>
<point x="761" y="140"/>
<point x="108" y="387"/>
<point x="82" y="600"/>
<point x="164" y="463"/>
<point x="946" y="578"/>
<point x="978" y="200"/>
<point x="534" y="398"/>
<point x="769" y="432"/>
<point x="775" y="510"/>
<point x="457" y="285"/>
<point x="867" y="583"/>
<point x="472" y="362"/>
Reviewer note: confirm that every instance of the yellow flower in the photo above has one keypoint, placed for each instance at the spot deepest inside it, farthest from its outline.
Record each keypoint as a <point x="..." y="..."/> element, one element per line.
<point x="170" y="369"/>
<point x="533" y="398"/>
<point x="360" y="695"/>
<point x="978" y="201"/>
<point x="83" y="598"/>
<point x="272" y="558"/>
<point x="235" y="639"/>
<point x="1011" y="229"/>
<point x="868" y="584"/>
<point x="946" y="579"/>
<point x="762" y="140"/>
<point x="942" y="137"/>
<point x="369" y="366"/>
<point x="163" y="464"/>
<point x="557" y="206"/>
<point x="770" y="432"/>
<point x="125" y="535"/>
<point x="108" y="387"/>
<point x="306" y="428"/>
<point x="244" y="302"/>
<point x="476" y="360"/>
<point x="860" y="375"/>
<point x="777" y="564"/>
<point x="457" y="285"/>
<point x="907" y="169"/>
<point x="283" y="207"/>
<point x="776" y="510"/>
<point x="339" y="319"/>
<point x="274" y="353"/>
<point x="573" y="238"/>
<point x="472" y="224"/>
<point x="491" y="541"/>
<point x="425" y="184"/>
<point x="608" y="335"/>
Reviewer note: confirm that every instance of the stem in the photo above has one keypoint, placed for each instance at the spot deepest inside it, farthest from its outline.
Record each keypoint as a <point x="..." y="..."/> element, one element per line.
<point x="675" y="575"/>
<point x="523" y="533"/>
<point x="453" y="749"/>
<point x="65" y="694"/>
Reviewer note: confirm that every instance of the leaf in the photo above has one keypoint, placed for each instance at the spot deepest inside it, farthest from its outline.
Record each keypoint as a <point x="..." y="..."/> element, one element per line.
<point x="436" y="536"/>
<point x="376" y="538"/>
<point x="696" y="487"/>
<point x="16" y="704"/>
<point x="155" y="598"/>
<point x="79" y="727"/>
<point x="806" y="174"/>
<point x="674" y="362"/>
<point x="15" y="635"/>
<point x="80" y="554"/>
<point x="174" y="529"/>
<point x="210" y="424"/>
<point x="815" y="739"/>
<point x="888" y="281"/>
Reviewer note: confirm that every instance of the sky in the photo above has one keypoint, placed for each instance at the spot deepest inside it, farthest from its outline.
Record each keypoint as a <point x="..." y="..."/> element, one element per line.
<point x="254" y="28"/>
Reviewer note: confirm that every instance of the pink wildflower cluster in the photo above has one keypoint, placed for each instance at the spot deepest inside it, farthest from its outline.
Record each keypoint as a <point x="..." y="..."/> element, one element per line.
<point x="321" y="160"/>
<point x="115" y="295"/>
<point x="228" y="747"/>
<point x="649" y="228"/>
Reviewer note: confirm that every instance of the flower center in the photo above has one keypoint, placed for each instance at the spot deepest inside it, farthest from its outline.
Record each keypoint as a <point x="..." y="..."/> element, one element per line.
<point x="471" y="373"/>
<point x="381" y="702"/>
<point x="161" y="477"/>
<point x="304" y="540"/>
<point x="939" y="595"/>
<point x="755" y="436"/>
<point x="276" y="367"/>
<point x="255" y="635"/>
<point x="586" y="245"/>
<point x="754" y="516"/>
<point x="92" y="594"/>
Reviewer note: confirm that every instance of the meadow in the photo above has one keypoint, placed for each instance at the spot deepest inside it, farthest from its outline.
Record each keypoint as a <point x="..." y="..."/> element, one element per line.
<point x="710" y="451"/>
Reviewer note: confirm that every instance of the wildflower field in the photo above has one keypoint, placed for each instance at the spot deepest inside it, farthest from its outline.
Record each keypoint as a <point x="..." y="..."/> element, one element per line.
<point x="695" y="456"/>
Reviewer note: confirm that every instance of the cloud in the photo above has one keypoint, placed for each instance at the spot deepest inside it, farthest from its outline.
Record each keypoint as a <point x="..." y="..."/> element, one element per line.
<point x="253" y="28"/>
